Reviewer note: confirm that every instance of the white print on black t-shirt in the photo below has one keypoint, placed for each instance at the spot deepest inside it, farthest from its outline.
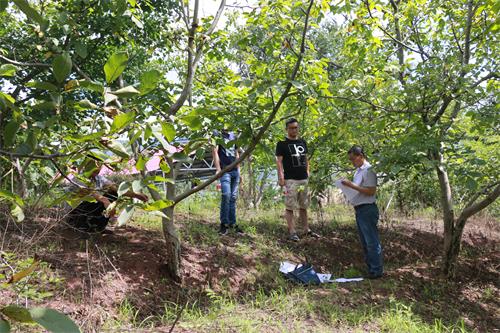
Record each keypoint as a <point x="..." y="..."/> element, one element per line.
<point x="298" y="155"/>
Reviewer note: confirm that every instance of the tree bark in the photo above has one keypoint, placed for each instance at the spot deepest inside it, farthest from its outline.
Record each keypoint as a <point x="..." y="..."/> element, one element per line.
<point x="170" y="231"/>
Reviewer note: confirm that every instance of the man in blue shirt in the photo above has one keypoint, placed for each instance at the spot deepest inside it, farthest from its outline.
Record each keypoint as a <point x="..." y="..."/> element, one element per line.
<point x="223" y="155"/>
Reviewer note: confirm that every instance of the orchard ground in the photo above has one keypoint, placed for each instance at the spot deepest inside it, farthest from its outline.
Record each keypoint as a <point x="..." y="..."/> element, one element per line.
<point x="118" y="283"/>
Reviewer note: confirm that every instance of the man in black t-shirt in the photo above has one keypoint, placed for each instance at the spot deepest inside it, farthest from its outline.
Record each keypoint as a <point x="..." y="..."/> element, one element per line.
<point x="293" y="174"/>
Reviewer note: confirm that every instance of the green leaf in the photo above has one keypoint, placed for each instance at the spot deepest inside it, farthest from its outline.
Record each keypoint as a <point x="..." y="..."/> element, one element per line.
<point x="168" y="131"/>
<point x="119" y="149"/>
<point x="42" y="85"/>
<point x="92" y="86"/>
<point x="45" y="106"/>
<point x="30" y="13"/>
<point x="125" y="215"/>
<point x="8" y="70"/>
<point x="122" y="120"/>
<point x="18" y="213"/>
<point x="149" y="81"/>
<point x="54" y="321"/>
<point x="193" y="122"/>
<point x="85" y="104"/>
<point x="11" y="197"/>
<point x="4" y="325"/>
<point x="125" y="92"/>
<point x="108" y="98"/>
<point x="3" y="6"/>
<point x="17" y="313"/>
<point x="81" y="49"/>
<point x="158" y="205"/>
<point x="61" y="66"/>
<point x="137" y="186"/>
<point x="10" y="132"/>
<point x="140" y="164"/>
<point x="123" y="188"/>
<point x="115" y="65"/>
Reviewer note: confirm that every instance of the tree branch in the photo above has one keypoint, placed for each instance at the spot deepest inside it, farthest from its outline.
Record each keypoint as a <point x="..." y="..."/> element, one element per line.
<point x="267" y="123"/>
<point x="192" y="60"/>
<point x="17" y="63"/>
<point x="473" y="208"/>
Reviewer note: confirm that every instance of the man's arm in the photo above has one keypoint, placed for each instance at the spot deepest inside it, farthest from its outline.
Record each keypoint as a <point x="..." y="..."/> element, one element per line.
<point x="361" y="189"/>
<point x="281" y="174"/>
<point x="215" y="156"/>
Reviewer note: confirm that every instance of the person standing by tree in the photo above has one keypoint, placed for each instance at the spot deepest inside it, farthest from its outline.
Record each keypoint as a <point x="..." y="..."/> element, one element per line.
<point x="367" y="214"/>
<point x="223" y="155"/>
<point x="293" y="174"/>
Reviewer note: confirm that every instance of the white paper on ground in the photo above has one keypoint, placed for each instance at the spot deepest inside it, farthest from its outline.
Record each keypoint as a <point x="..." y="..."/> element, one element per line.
<point x="324" y="277"/>
<point x="347" y="191"/>
<point x="287" y="267"/>
<point x="348" y="280"/>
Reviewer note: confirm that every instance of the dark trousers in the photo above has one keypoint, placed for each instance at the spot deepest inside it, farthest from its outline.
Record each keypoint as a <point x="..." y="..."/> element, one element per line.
<point x="367" y="219"/>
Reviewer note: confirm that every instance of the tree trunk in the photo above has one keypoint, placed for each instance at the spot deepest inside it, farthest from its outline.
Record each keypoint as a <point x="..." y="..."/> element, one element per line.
<point x="170" y="231"/>
<point x="452" y="249"/>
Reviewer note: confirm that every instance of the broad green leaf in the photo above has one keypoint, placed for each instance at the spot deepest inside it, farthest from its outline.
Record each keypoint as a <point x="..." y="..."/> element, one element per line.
<point x="10" y="132"/>
<point x="122" y="120"/>
<point x="161" y="139"/>
<point x="140" y="164"/>
<point x="125" y="215"/>
<point x="3" y="6"/>
<point x="137" y="186"/>
<point x="85" y="104"/>
<point x="61" y="66"/>
<point x="123" y="188"/>
<point x="125" y="92"/>
<point x="81" y="49"/>
<point x="7" y="98"/>
<point x="11" y="197"/>
<point x="30" y="12"/>
<point x="159" y="204"/>
<point x="119" y="149"/>
<point x="17" y="313"/>
<point x="45" y="106"/>
<point x="168" y="131"/>
<point x="108" y="98"/>
<point x="92" y="86"/>
<point x="18" y="213"/>
<point x="54" y="321"/>
<point x="4" y="325"/>
<point x="8" y="70"/>
<point x="115" y="65"/>
<point x="149" y="81"/>
<point x="42" y="85"/>
<point x="193" y="122"/>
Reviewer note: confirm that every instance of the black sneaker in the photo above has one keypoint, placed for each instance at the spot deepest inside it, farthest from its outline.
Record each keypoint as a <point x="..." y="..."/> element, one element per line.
<point x="223" y="230"/>
<point x="238" y="230"/>
<point x="372" y="276"/>
<point x="294" y="237"/>
<point x="312" y="234"/>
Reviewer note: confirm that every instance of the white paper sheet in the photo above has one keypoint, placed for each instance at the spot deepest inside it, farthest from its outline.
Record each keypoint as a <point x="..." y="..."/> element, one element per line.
<point x="347" y="191"/>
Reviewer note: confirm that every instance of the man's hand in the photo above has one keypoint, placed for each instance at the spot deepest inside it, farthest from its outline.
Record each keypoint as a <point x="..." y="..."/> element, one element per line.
<point x="347" y="183"/>
<point x="281" y="181"/>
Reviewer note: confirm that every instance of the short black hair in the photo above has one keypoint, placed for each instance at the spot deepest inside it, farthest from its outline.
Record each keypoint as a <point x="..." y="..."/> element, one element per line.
<point x="290" y="121"/>
<point x="357" y="150"/>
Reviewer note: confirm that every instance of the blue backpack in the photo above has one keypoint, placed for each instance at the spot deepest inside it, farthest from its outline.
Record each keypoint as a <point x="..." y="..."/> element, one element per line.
<point x="304" y="274"/>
